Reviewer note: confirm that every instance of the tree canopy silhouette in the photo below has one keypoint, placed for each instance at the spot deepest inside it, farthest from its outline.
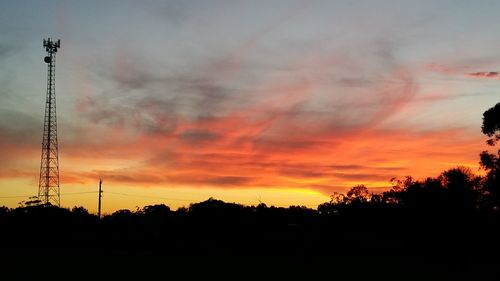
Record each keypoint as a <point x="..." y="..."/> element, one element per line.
<point x="489" y="161"/>
<point x="491" y="124"/>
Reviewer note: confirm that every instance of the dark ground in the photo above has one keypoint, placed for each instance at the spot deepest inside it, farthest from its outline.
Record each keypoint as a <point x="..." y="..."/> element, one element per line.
<point x="361" y="246"/>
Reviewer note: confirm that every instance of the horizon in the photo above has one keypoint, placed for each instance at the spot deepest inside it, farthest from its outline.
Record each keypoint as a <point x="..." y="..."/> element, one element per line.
<point x="281" y="102"/>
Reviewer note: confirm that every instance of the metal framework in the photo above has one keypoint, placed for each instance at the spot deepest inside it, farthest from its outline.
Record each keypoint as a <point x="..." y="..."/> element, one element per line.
<point x="48" y="184"/>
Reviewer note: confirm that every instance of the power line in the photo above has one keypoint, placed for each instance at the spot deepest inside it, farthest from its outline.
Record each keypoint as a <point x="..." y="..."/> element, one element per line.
<point x="19" y="196"/>
<point x="64" y="194"/>
<point x="73" y="193"/>
<point x="146" y="196"/>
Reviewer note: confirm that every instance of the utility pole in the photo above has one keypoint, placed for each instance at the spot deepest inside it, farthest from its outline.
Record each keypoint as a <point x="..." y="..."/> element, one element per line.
<point x="99" y="205"/>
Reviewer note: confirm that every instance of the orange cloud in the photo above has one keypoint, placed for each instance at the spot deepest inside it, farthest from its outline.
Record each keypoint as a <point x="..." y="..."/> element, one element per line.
<point x="215" y="156"/>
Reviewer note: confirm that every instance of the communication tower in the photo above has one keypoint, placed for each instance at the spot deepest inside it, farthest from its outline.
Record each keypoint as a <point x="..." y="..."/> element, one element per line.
<point x="48" y="184"/>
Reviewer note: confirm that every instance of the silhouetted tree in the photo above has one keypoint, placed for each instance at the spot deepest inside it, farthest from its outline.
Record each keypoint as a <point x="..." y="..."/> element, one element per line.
<point x="376" y="198"/>
<point x="462" y="187"/>
<point x="156" y="210"/>
<point x="337" y="198"/>
<point x="359" y="194"/>
<point x="214" y="207"/>
<point x="80" y="211"/>
<point x="328" y="208"/>
<point x="393" y="196"/>
<point x="155" y="214"/>
<point x="33" y="201"/>
<point x="489" y="161"/>
<point x="122" y="217"/>
<point x="491" y="124"/>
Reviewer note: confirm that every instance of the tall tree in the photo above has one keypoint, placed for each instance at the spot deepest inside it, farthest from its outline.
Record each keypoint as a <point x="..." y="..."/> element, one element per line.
<point x="491" y="124"/>
<point x="491" y="162"/>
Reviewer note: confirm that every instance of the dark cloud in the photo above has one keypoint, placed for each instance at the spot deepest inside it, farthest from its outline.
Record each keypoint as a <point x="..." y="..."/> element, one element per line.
<point x="284" y="143"/>
<point x="229" y="180"/>
<point x="153" y="116"/>
<point x="149" y="114"/>
<point x="173" y="12"/>
<point x="19" y="128"/>
<point x="165" y="158"/>
<point x="4" y="51"/>
<point x="213" y="180"/>
<point x="8" y="49"/>
<point x="114" y="117"/>
<point x="355" y="82"/>
<point x="200" y="97"/>
<point x="304" y="172"/>
<point x="362" y="176"/>
<point x="362" y="167"/>
<point x="347" y="167"/>
<point x="345" y="172"/>
<point x="153" y="102"/>
<point x="197" y="137"/>
<point x="490" y="74"/>
<point x="121" y="176"/>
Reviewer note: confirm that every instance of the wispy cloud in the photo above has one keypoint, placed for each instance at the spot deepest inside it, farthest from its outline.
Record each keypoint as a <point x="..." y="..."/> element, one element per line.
<point x="461" y="70"/>
<point x="483" y="74"/>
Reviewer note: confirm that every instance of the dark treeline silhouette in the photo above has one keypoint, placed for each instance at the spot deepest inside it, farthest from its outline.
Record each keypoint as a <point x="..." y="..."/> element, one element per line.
<point x="449" y="222"/>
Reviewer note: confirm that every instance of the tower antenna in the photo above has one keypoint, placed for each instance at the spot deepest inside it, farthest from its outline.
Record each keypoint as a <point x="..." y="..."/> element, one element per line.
<point x="48" y="183"/>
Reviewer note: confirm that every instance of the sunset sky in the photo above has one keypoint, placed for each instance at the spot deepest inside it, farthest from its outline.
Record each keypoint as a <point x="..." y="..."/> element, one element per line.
<point x="280" y="102"/>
